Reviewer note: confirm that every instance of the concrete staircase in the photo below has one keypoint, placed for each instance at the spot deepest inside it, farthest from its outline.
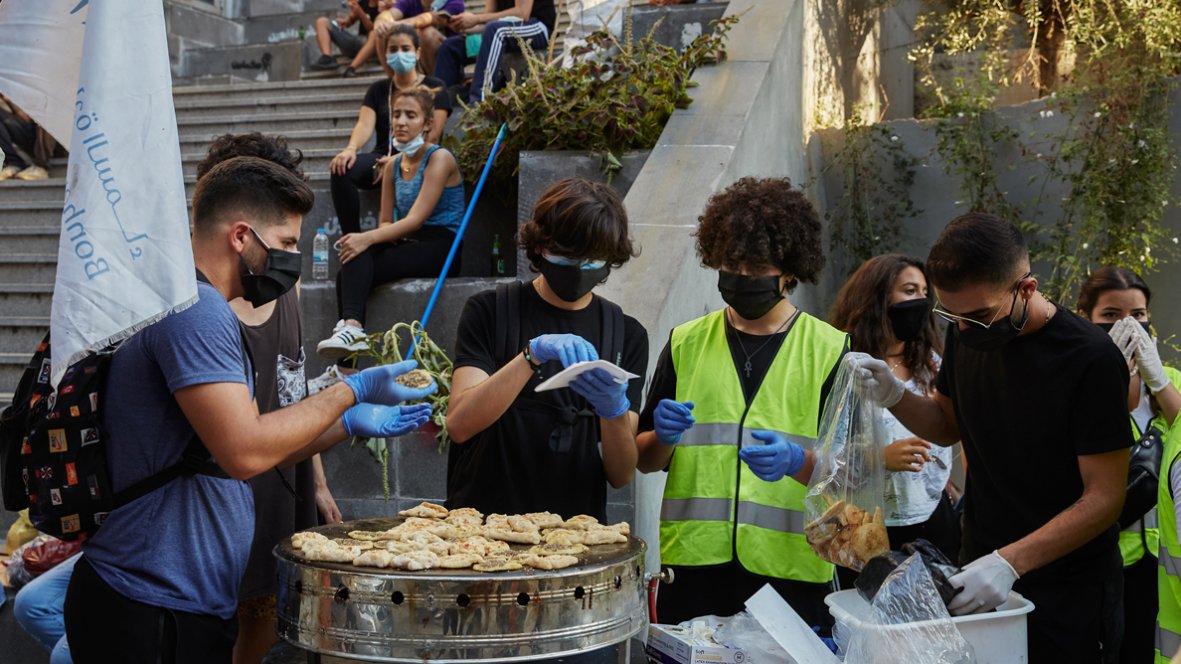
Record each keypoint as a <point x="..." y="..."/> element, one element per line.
<point x="316" y="115"/>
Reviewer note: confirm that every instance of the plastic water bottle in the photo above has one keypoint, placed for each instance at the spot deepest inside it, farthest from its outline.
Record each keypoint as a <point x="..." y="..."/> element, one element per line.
<point x="320" y="255"/>
<point x="497" y="259"/>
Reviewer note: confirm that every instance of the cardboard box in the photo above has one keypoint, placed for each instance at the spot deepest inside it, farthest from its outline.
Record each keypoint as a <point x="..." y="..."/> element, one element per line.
<point x="669" y="644"/>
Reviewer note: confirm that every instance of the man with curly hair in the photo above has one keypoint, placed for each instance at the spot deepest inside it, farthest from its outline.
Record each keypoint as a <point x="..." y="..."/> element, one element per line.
<point x="734" y="403"/>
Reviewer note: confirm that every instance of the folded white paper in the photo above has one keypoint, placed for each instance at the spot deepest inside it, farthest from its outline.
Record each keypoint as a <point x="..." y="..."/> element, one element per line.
<point x="788" y="629"/>
<point x="563" y="377"/>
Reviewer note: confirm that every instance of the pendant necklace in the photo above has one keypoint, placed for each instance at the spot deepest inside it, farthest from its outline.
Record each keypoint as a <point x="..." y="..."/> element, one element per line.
<point x="747" y="368"/>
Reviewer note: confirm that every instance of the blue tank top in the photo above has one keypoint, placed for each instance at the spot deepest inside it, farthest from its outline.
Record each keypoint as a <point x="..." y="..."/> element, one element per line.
<point x="448" y="212"/>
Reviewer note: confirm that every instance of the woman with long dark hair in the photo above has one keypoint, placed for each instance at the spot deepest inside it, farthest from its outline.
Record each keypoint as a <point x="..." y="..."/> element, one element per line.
<point x="885" y="309"/>
<point x="1116" y="299"/>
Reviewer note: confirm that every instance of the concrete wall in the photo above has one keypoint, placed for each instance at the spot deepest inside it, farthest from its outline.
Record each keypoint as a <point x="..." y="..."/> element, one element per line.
<point x="938" y="195"/>
<point x="748" y="117"/>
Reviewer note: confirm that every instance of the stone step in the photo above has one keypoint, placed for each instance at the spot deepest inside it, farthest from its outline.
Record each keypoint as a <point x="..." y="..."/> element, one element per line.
<point x="267" y="106"/>
<point x="248" y="91"/>
<point x="21" y="333"/>
<point x="28" y="239"/>
<point x="275" y="123"/>
<point x="27" y="267"/>
<point x="308" y="139"/>
<point x="53" y="190"/>
<point x="40" y="214"/>
<point x="25" y="299"/>
<point x="12" y="366"/>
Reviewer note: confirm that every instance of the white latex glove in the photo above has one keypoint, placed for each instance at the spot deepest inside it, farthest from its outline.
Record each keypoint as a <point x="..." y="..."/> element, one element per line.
<point x="1123" y="336"/>
<point x="984" y="585"/>
<point x="1147" y="358"/>
<point x="875" y="379"/>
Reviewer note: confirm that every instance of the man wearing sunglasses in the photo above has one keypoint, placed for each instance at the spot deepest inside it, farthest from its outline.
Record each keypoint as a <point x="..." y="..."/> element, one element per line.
<point x="1038" y="396"/>
<point x="518" y="450"/>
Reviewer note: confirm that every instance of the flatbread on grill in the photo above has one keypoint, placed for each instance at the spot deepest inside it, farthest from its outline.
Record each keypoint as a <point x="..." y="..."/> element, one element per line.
<point x="548" y="562"/>
<point x="374" y="558"/>
<point x="426" y="510"/>
<point x="559" y="549"/>
<point x="545" y="519"/>
<point x="330" y="552"/>
<point x="497" y="564"/>
<point x="363" y="545"/>
<point x="580" y="522"/>
<point x="597" y="536"/>
<point x="372" y="535"/>
<point x="298" y="540"/>
<point x="531" y="537"/>
<point x="459" y="560"/>
<point x="416" y="561"/>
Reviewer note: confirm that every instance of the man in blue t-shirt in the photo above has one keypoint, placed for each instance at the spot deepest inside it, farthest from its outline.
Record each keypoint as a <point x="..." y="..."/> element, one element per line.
<point x="159" y="581"/>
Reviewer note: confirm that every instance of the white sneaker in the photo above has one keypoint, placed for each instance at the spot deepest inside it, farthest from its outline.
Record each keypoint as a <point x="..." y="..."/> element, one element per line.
<point x="8" y="172"/>
<point x="345" y="339"/>
<point x="330" y="377"/>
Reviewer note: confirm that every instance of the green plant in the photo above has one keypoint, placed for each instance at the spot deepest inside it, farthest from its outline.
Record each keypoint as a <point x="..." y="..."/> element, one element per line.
<point x="385" y="348"/>
<point x="871" y="216"/>
<point x="618" y="96"/>
<point x="1114" y="154"/>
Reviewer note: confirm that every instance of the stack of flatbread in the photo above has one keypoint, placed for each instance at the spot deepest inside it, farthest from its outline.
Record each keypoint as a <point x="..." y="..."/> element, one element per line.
<point x="433" y="537"/>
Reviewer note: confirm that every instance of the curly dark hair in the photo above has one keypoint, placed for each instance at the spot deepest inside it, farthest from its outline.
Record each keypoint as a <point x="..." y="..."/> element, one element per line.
<point x="761" y="223"/>
<point x="271" y="148"/>
<point x="861" y="310"/>
<point x="578" y="218"/>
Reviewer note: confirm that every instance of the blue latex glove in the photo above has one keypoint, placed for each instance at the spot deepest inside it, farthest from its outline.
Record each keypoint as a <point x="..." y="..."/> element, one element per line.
<point x="827" y="641"/>
<point x="772" y="461"/>
<point x="608" y="398"/>
<point x="370" y="420"/>
<point x="377" y="386"/>
<point x="672" y="418"/>
<point x="566" y="348"/>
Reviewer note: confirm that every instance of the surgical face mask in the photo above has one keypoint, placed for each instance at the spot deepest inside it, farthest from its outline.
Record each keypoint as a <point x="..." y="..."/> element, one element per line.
<point x="438" y="5"/>
<point x="750" y="297"/>
<point x="411" y="147"/>
<point x="571" y="279"/>
<point x="402" y="62"/>
<point x="278" y="275"/>
<point x="908" y="318"/>
<point x="1106" y="327"/>
<point x="995" y="336"/>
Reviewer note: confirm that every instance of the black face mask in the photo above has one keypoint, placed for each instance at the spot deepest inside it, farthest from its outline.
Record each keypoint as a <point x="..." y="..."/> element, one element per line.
<point x="996" y="336"/>
<point x="277" y="277"/>
<point x="571" y="282"/>
<point x="1106" y="327"/>
<point x="750" y="297"/>
<point x="909" y="318"/>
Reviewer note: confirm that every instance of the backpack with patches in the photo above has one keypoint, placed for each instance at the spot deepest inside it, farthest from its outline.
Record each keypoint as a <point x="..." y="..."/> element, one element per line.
<point x="53" y="457"/>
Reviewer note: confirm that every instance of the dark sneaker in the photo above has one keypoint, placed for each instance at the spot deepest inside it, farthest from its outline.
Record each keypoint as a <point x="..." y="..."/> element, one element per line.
<point x="325" y="62"/>
<point x="349" y="72"/>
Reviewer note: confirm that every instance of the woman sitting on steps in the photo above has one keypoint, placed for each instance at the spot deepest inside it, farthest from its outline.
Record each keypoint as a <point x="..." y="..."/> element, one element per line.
<point x="422" y="202"/>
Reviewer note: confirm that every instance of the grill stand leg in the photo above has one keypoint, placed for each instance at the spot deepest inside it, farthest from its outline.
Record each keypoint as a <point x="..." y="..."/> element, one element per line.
<point x="313" y="657"/>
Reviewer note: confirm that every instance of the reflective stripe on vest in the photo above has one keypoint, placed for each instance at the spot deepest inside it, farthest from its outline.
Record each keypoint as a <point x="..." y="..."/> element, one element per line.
<point x="1168" y="579"/>
<point x="710" y="496"/>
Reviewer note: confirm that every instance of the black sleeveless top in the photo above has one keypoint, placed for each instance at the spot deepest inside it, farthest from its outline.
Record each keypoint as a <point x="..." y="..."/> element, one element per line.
<point x="277" y="348"/>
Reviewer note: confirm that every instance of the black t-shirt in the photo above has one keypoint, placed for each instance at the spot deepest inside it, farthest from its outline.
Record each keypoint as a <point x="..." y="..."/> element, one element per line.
<point x="377" y="97"/>
<point x="1026" y="413"/>
<point x="523" y="462"/>
<point x="543" y="10"/>
<point x="664" y="379"/>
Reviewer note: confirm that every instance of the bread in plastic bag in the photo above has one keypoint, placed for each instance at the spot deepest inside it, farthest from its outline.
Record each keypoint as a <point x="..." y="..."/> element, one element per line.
<point x="907" y="624"/>
<point x="845" y="494"/>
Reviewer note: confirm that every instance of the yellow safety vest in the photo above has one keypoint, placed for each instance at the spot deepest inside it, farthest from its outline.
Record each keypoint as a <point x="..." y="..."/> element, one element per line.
<point x="1168" y="571"/>
<point x="1131" y="545"/>
<point x="714" y="506"/>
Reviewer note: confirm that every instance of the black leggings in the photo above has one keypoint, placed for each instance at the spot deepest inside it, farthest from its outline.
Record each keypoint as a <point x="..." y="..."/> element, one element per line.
<point x="346" y="197"/>
<point x="420" y="254"/>
<point x="17" y="138"/>
<point x="104" y="626"/>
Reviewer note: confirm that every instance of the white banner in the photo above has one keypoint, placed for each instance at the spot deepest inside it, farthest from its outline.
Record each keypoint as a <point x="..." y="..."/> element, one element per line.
<point x="124" y="259"/>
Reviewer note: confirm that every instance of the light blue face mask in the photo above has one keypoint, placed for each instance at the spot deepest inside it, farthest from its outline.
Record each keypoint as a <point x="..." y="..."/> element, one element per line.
<point x="438" y="5"/>
<point x="402" y="62"/>
<point x="409" y="148"/>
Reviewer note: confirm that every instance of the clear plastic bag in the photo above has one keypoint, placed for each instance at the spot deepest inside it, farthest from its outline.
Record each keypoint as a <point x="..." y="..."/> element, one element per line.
<point x="845" y="495"/>
<point x="742" y="631"/>
<point x="908" y="624"/>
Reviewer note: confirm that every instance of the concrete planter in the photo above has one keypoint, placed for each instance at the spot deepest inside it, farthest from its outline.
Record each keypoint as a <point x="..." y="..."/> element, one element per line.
<point x="540" y="169"/>
<point x="679" y="24"/>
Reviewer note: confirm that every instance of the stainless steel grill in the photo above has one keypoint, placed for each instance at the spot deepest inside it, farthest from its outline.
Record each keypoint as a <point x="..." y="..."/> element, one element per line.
<point x="385" y="615"/>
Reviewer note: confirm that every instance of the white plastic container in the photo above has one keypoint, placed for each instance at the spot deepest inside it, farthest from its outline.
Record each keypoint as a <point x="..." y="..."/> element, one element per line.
<point x="998" y="637"/>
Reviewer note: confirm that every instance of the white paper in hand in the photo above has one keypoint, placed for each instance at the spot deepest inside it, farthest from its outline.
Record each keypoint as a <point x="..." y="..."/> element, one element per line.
<point x="563" y="377"/>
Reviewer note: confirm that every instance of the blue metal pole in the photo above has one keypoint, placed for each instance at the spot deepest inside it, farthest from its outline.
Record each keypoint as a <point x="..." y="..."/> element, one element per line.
<point x="467" y="216"/>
